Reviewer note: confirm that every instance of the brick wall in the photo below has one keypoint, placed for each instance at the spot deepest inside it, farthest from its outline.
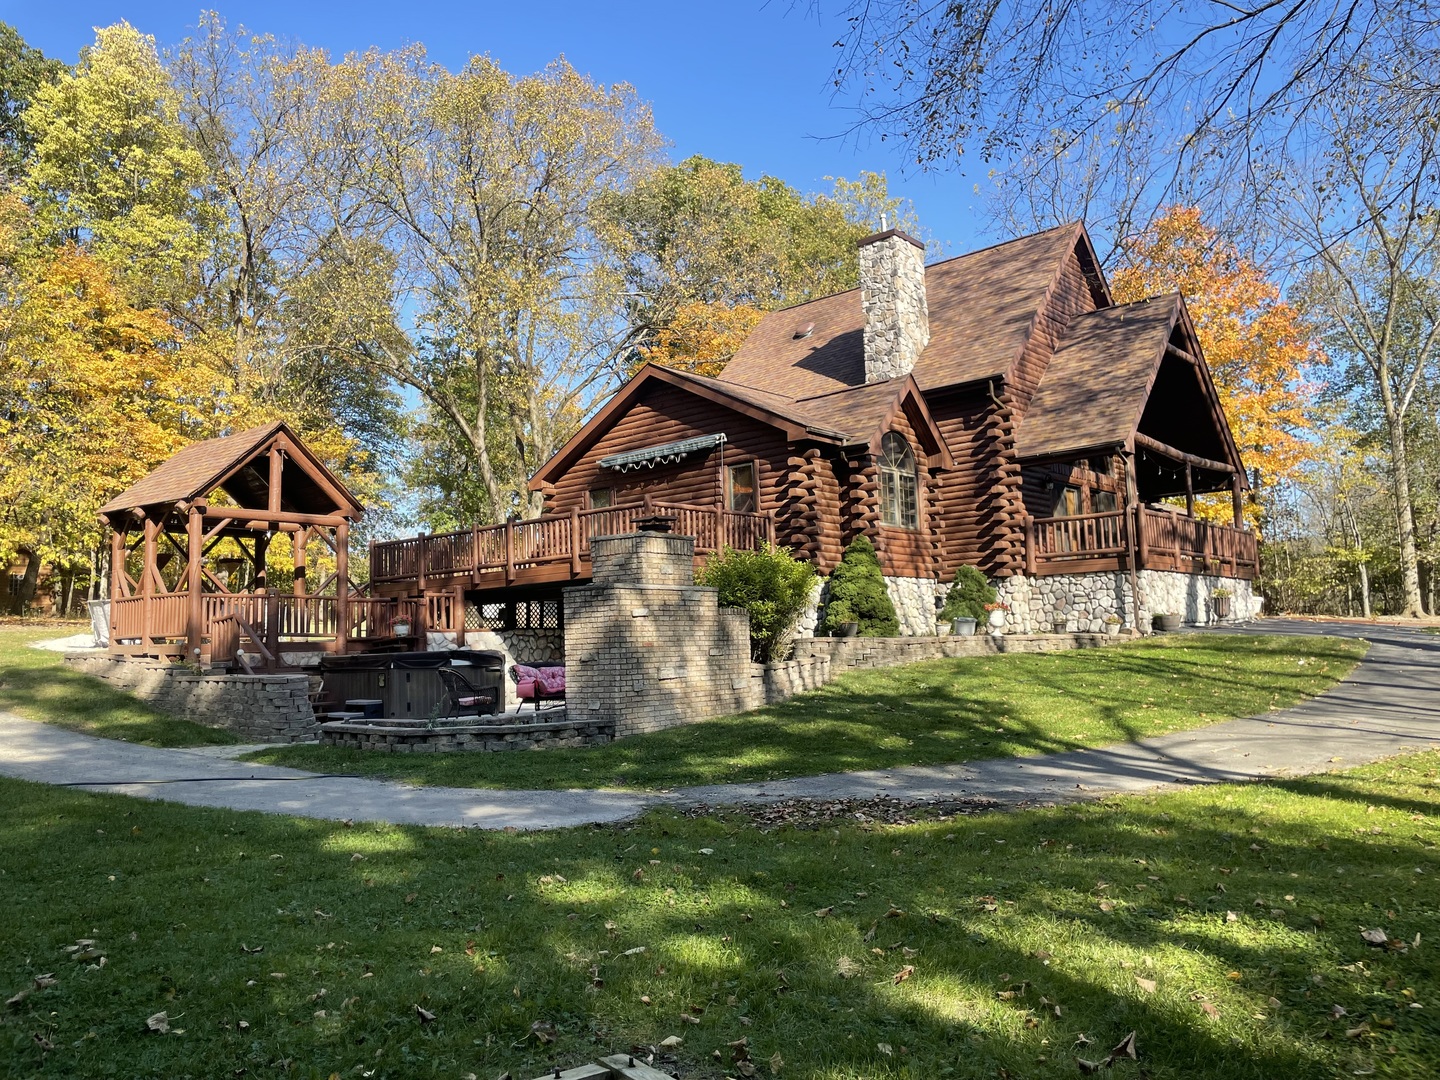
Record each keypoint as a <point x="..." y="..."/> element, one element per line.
<point x="265" y="708"/>
<point x="645" y="647"/>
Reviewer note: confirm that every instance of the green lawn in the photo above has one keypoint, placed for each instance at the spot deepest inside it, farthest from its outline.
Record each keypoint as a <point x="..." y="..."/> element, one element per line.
<point x="1221" y="925"/>
<point x="36" y="684"/>
<point x="928" y="713"/>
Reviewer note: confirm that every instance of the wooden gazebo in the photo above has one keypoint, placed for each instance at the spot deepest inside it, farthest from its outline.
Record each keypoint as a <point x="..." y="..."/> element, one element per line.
<point x="244" y="488"/>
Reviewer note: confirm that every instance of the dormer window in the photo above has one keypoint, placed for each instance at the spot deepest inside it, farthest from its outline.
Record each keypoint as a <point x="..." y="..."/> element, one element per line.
<point x="899" y="483"/>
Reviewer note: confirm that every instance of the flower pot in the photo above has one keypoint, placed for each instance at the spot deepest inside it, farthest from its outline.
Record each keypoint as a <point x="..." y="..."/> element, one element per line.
<point x="996" y="621"/>
<point x="400" y="628"/>
<point x="1165" y="624"/>
<point x="1220" y="605"/>
<point x="1113" y="629"/>
<point x="848" y="629"/>
<point x="963" y="626"/>
<point x="1060" y="626"/>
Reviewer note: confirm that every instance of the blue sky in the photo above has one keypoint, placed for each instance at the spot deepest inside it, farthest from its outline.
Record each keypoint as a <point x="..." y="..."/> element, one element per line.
<point x="739" y="81"/>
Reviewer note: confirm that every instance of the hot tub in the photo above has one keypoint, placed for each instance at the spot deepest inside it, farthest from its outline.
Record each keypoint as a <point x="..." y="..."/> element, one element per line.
<point x="406" y="682"/>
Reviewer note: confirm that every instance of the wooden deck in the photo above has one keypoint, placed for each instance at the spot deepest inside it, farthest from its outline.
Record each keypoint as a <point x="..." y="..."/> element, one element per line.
<point x="545" y="550"/>
<point x="1159" y="540"/>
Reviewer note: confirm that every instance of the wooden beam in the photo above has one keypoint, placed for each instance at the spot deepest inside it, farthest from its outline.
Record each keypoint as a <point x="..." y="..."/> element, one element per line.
<point x="1236" y="509"/>
<point x="1181" y="354"/>
<point x="1189" y="490"/>
<point x="1158" y="447"/>
<point x="342" y="588"/>
<point x="297" y="542"/>
<point x="279" y="517"/>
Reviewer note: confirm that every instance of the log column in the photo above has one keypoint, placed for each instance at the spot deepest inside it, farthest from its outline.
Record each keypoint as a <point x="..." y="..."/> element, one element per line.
<point x="342" y="585"/>
<point x="298" y="540"/>
<point x="195" y="601"/>
<point x="149" y="576"/>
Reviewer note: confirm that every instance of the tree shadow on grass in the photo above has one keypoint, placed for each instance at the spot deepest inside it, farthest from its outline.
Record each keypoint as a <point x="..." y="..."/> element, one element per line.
<point x="493" y="933"/>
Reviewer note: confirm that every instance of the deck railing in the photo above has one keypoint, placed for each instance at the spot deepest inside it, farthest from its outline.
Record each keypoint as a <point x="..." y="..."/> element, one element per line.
<point x="154" y="624"/>
<point x="1159" y="539"/>
<point x="516" y="546"/>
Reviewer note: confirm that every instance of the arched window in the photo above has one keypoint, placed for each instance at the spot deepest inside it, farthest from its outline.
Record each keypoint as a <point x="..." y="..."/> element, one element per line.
<point x="899" y="504"/>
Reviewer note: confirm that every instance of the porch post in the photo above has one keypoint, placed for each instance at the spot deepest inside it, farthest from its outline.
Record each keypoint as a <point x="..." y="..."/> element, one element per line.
<point x="147" y="580"/>
<point x="1237" y="510"/>
<point x="1134" y="538"/>
<point x="342" y="585"/>
<point x="1189" y="490"/>
<point x="117" y="568"/>
<point x="262" y="550"/>
<point x="272" y="626"/>
<point x="1029" y="545"/>
<point x="276" y="465"/>
<point x="574" y="541"/>
<point x="298" y="540"/>
<point x="195" y="614"/>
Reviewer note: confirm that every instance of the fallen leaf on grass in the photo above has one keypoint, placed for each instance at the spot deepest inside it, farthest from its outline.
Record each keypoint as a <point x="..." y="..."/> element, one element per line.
<point x="44" y="982"/>
<point x="686" y="1018"/>
<point x="1148" y="985"/>
<point x="903" y="974"/>
<point x="1124" y="1048"/>
<point x="543" y="1030"/>
<point x="776" y="1063"/>
<point x="824" y="912"/>
<point x="671" y="1042"/>
<point x="1375" y="937"/>
<point x="18" y="997"/>
<point x="1209" y="1010"/>
<point x="426" y="1016"/>
<point x="846" y="968"/>
<point x="159" y="1023"/>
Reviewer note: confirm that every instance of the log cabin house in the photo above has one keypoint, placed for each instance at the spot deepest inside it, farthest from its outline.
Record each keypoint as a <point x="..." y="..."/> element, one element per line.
<point x="997" y="409"/>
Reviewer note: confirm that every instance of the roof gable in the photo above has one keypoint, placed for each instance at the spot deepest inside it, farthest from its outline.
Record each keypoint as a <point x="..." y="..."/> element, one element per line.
<point x="229" y="464"/>
<point x="982" y="307"/>
<point x="1100" y="380"/>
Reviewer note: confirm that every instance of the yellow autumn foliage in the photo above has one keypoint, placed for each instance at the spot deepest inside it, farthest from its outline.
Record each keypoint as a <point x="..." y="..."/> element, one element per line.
<point x="701" y="338"/>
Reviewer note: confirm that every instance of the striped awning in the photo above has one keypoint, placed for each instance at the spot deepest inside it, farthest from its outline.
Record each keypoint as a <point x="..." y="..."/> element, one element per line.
<point x="664" y="454"/>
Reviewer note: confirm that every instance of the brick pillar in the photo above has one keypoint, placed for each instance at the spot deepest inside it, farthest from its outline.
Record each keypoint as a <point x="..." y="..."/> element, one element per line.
<point x="645" y="647"/>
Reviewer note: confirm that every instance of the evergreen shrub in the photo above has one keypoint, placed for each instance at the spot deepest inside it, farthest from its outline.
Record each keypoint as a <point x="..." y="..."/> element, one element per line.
<point x="858" y="593"/>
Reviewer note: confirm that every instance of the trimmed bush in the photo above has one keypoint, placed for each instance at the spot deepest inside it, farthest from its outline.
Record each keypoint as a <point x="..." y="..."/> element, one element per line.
<point x="771" y="585"/>
<point x="858" y="593"/>
<point x="968" y="595"/>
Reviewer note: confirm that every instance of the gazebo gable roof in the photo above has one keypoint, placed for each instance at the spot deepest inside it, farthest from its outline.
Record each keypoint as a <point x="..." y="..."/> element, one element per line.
<point x="238" y="465"/>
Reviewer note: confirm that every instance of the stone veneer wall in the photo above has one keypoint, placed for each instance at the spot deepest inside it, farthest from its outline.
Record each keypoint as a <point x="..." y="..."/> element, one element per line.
<point x="892" y="294"/>
<point x="818" y="660"/>
<point x="645" y="647"/>
<point x="475" y="738"/>
<point x="266" y="708"/>
<point x="914" y="600"/>
<point x="1084" y="600"/>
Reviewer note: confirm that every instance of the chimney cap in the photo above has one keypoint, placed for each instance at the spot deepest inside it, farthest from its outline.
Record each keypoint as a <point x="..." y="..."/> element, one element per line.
<point x="875" y="238"/>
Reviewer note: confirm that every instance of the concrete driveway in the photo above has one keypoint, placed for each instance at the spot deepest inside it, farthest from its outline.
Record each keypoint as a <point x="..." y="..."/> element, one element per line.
<point x="1389" y="704"/>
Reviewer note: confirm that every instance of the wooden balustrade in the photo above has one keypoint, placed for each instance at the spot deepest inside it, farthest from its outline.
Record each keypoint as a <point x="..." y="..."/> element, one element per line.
<point x="1161" y="540"/>
<point x="517" y="546"/>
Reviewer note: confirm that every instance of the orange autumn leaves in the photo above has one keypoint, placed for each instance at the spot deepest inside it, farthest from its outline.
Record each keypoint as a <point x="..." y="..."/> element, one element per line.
<point x="1257" y="347"/>
<point x="701" y="338"/>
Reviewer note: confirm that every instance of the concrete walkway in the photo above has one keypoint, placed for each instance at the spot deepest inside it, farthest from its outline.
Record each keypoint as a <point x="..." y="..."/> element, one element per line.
<point x="1389" y="704"/>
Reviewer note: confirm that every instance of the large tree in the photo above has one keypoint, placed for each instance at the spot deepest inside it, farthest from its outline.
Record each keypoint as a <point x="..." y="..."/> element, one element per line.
<point x="707" y="252"/>
<point x="112" y="168"/>
<point x="23" y="70"/>
<point x="1371" y="229"/>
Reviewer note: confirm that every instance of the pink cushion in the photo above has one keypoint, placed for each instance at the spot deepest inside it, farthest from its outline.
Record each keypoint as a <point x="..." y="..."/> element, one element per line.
<point x="552" y="680"/>
<point x="525" y="688"/>
<point x="524" y="672"/>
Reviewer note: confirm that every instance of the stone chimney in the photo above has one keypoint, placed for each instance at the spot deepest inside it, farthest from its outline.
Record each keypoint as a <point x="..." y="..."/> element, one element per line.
<point x="892" y="294"/>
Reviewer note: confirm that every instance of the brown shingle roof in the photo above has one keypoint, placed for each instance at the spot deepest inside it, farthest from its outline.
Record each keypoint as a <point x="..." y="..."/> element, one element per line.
<point x="192" y="472"/>
<point x="1095" y="388"/>
<point x="196" y="470"/>
<point x="982" y="307"/>
<point x="855" y="410"/>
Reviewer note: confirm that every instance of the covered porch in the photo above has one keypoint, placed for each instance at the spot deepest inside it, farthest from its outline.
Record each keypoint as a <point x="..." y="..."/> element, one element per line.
<point x="1124" y="440"/>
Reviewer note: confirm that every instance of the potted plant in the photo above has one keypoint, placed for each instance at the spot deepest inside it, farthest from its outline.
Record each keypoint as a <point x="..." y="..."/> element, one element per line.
<point x="1165" y="622"/>
<point x="1220" y="602"/>
<point x="966" y="600"/>
<point x="400" y="628"/>
<point x="1060" y="624"/>
<point x="1112" y="624"/>
<point x="996" y="617"/>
